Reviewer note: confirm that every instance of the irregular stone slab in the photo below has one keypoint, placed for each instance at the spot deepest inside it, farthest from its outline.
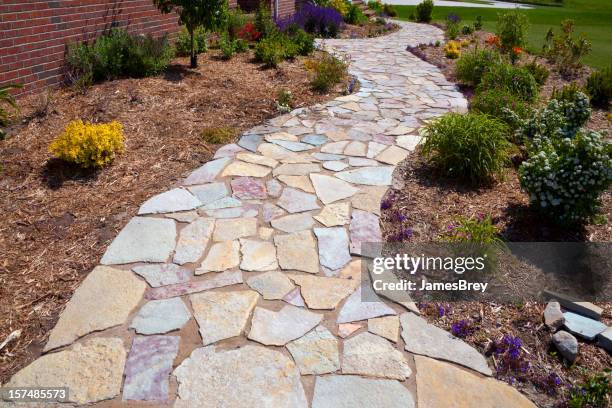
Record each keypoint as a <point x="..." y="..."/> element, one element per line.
<point x="278" y="328"/>
<point x="364" y="227"/>
<point x="185" y="216"/>
<point x="247" y="377"/>
<point x="193" y="240"/>
<point x="387" y="327"/>
<point x="369" y="355"/>
<point x="161" y="316"/>
<point x="249" y="188"/>
<point x="297" y="201"/>
<point x="294" y="298"/>
<point x="583" y="326"/>
<point x="293" y="146"/>
<point x="250" y="142"/>
<point x="604" y="339"/>
<point x="174" y="200"/>
<point x="566" y="344"/>
<point x="373" y="176"/>
<point x="111" y="293"/>
<point x="354" y="309"/>
<point x="300" y="182"/>
<point x="257" y="159"/>
<point x="368" y="199"/>
<point x="229" y="150"/>
<point x="240" y="168"/>
<point x="362" y="162"/>
<point x="281" y="136"/>
<point x="333" y="247"/>
<point x="408" y="142"/>
<point x="208" y="172"/>
<point x="323" y="293"/>
<point x="101" y="359"/>
<point x="221" y="315"/>
<point x="350" y="391"/>
<point x="335" y="147"/>
<point x="270" y="211"/>
<point x="221" y="256"/>
<point x="257" y="255"/>
<point x="218" y="280"/>
<point x="334" y="215"/>
<point x="148" y="368"/>
<point x="209" y="193"/>
<point x="297" y="251"/>
<point x="330" y="189"/>
<point x="426" y="339"/>
<point x="230" y="229"/>
<point x="355" y="149"/>
<point x="163" y="274"/>
<point x="142" y="240"/>
<point x="587" y="309"/>
<point x="374" y="148"/>
<point x="265" y="233"/>
<point x="346" y="329"/>
<point x="315" y="140"/>
<point x="246" y="211"/>
<point x="334" y="165"/>
<point x="393" y="155"/>
<point x="299" y="169"/>
<point x="316" y="352"/>
<point x="443" y="385"/>
<point x="274" y="151"/>
<point x="553" y="316"/>
<point x="271" y="285"/>
<point x="294" y="222"/>
<point x="274" y="188"/>
<point x="225" y="202"/>
<point x="328" y="156"/>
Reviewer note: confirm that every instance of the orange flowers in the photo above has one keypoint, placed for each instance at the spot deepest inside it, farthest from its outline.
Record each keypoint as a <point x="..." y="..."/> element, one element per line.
<point x="517" y="50"/>
<point x="493" y="40"/>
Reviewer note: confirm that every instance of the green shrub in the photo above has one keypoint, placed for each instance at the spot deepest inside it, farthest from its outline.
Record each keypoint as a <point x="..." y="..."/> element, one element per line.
<point x="467" y="29"/>
<point x="263" y="21"/>
<point x="472" y="147"/>
<point x="479" y="230"/>
<point x="218" y="135"/>
<point x="478" y="23"/>
<point x="512" y="29"/>
<point x="566" y="177"/>
<point x="7" y="100"/>
<point x="495" y="102"/>
<point x="599" y="87"/>
<point x="538" y="71"/>
<point x="568" y="93"/>
<point x="452" y="30"/>
<point x="274" y="49"/>
<point x="566" y="51"/>
<point x="594" y="393"/>
<point x="304" y="42"/>
<point x="182" y="45"/>
<point x="471" y="66"/>
<point x="423" y="11"/>
<point x="283" y="101"/>
<point x="236" y="19"/>
<point x="227" y="47"/>
<point x="118" y="54"/>
<point x="515" y="80"/>
<point x="326" y="72"/>
<point x="389" y="10"/>
<point x="354" y="15"/>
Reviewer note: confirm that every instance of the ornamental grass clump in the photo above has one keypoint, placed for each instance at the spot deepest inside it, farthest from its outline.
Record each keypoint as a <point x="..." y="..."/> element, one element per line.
<point x="472" y="65"/>
<point x="89" y="144"/>
<point x="472" y="147"/>
<point x="515" y="80"/>
<point x="326" y="72"/>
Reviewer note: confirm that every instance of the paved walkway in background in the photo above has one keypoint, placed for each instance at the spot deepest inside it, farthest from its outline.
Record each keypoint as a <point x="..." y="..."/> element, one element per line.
<point x="242" y="287"/>
<point x="450" y="3"/>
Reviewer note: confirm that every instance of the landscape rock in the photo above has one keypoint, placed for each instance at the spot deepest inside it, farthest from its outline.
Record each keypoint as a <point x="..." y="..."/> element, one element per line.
<point x="193" y="240"/>
<point x="369" y="355"/>
<point x="566" y="344"/>
<point x="316" y="352"/>
<point x="354" y="309"/>
<point x="553" y="316"/>
<point x="227" y="278"/>
<point x="387" y="327"/>
<point x="257" y="256"/>
<point x="604" y="339"/>
<point x="364" y="227"/>
<point x="334" y="214"/>
<point x="323" y="293"/>
<point x="330" y="189"/>
<point x="161" y="316"/>
<point x="208" y="172"/>
<point x="372" y="176"/>
<point x="297" y="201"/>
<point x="221" y="256"/>
<point x="173" y="200"/>
<point x="163" y="274"/>
<point x="300" y="182"/>
<point x="297" y="251"/>
<point x="249" y="188"/>
<point x="278" y="328"/>
<point x="209" y="193"/>
<point x="583" y="326"/>
<point x="271" y="285"/>
<point x="350" y="391"/>
<point x="294" y="222"/>
<point x="333" y="247"/>
<point x="242" y="169"/>
<point x="230" y="229"/>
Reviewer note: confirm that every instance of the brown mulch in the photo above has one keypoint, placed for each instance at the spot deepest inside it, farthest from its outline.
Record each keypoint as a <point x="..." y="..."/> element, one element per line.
<point x="367" y="30"/>
<point x="58" y="220"/>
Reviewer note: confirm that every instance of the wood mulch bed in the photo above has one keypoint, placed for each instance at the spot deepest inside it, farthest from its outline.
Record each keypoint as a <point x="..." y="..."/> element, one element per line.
<point x="58" y="220"/>
<point x="428" y="203"/>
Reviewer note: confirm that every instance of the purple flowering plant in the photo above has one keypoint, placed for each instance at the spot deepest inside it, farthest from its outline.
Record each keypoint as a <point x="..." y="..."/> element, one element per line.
<point x="323" y="21"/>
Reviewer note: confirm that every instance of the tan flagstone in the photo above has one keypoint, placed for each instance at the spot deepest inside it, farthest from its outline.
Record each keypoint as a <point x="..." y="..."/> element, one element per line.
<point x="323" y="293"/>
<point x="334" y="214"/>
<point x="221" y="256"/>
<point x="243" y="169"/>
<point x="301" y="182"/>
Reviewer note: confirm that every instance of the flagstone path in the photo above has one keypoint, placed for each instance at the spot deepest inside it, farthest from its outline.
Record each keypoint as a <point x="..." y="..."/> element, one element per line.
<point x="241" y="287"/>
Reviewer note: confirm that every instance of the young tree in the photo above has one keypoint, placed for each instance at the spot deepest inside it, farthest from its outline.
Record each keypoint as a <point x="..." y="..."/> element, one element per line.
<point x="210" y="14"/>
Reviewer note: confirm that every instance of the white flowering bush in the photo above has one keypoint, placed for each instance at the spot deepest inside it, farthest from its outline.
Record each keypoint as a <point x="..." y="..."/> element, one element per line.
<point x="565" y="177"/>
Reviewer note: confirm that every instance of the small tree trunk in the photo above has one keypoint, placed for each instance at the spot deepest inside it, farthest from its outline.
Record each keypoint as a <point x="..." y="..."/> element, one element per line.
<point x="194" y="56"/>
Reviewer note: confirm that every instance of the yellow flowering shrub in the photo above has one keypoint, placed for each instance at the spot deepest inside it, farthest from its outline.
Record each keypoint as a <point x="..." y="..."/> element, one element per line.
<point x="452" y="49"/>
<point x="340" y="5"/>
<point x="89" y="144"/>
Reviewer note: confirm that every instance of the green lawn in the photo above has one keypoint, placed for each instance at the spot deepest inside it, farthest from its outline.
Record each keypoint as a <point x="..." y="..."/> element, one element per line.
<point x="592" y="17"/>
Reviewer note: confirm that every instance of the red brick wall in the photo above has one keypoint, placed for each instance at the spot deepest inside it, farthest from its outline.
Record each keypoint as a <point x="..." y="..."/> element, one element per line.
<point x="34" y="33"/>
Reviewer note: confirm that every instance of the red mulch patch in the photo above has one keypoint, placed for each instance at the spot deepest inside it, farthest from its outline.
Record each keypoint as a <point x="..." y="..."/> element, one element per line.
<point x="58" y="220"/>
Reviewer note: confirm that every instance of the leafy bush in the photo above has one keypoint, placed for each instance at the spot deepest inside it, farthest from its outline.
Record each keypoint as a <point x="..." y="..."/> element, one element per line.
<point x="599" y="87"/>
<point x="119" y="54"/>
<point x="227" y="47"/>
<point x="471" y="146"/>
<point x="452" y="49"/>
<point x="515" y="80"/>
<point x="478" y="23"/>
<point x="263" y="21"/>
<point x="594" y="393"/>
<point x="561" y="118"/>
<point x="341" y="5"/>
<point x="248" y="32"/>
<point x="565" y="50"/>
<point x="323" y="21"/>
<point x="283" y="101"/>
<point x="354" y="15"/>
<point x="389" y="10"/>
<point x="512" y="28"/>
<point x="236" y="20"/>
<point x="538" y="71"/>
<point x="471" y="66"/>
<point x="565" y="177"/>
<point x="479" y="230"/>
<point x="326" y="72"/>
<point x="218" y="135"/>
<point x="273" y="50"/>
<point x="182" y="45"/>
<point x="304" y="42"/>
<point x="452" y="29"/>
<point x="495" y="102"/>
<point x="87" y="144"/>
<point x="423" y="11"/>
<point x="467" y="29"/>
<point x="7" y="99"/>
